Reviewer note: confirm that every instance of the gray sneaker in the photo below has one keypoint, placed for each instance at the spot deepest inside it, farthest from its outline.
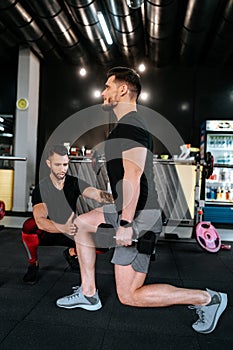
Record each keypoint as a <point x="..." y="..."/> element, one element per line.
<point x="209" y="314"/>
<point x="78" y="299"/>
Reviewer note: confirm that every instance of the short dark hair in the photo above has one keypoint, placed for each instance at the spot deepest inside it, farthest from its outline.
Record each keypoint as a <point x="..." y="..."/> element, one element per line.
<point x="128" y="75"/>
<point x="58" y="149"/>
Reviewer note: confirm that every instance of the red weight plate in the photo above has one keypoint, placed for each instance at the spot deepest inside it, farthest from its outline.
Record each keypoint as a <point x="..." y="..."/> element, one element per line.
<point x="2" y="210"/>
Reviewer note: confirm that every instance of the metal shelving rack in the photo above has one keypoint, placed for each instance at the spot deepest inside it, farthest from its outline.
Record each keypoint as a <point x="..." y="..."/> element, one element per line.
<point x="180" y="215"/>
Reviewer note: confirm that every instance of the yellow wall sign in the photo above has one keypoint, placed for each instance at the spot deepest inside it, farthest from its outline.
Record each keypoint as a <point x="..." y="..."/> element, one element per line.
<point x="22" y="103"/>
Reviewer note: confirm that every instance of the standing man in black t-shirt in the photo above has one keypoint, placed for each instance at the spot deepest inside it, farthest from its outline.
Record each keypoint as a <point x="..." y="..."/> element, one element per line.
<point x="54" y="202"/>
<point x="129" y="159"/>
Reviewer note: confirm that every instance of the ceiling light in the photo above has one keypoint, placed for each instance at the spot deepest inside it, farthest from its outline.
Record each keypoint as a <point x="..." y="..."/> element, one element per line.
<point x="144" y="96"/>
<point x="83" y="72"/>
<point x="142" y="67"/>
<point x="105" y="28"/>
<point x="1" y="120"/>
<point x="1" y="128"/>
<point x="184" y="106"/>
<point x="97" y="93"/>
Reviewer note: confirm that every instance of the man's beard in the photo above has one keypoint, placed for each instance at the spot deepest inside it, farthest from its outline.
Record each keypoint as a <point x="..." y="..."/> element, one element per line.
<point x="59" y="176"/>
<point x="108" y="107"/>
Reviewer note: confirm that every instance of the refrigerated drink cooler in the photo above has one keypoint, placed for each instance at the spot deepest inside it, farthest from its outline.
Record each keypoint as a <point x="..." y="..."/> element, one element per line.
<point x="217" y="138"/>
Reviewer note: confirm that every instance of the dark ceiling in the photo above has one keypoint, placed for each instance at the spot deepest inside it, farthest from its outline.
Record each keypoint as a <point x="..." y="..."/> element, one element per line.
<point x="161" y="31"/>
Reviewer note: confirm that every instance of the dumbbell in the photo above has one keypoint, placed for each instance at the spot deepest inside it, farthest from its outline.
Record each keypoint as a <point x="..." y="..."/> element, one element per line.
<point x="145" y="243"/>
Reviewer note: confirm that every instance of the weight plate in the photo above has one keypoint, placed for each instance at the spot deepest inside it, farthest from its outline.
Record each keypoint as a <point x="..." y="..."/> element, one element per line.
<point x="208" y="237"/>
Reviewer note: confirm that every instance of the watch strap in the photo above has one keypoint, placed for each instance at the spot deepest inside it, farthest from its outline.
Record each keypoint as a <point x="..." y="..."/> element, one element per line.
<point x="125" y="223"/>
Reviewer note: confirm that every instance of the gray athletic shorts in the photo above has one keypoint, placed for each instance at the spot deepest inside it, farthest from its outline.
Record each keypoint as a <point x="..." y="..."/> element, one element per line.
<point x="145" y="220"/>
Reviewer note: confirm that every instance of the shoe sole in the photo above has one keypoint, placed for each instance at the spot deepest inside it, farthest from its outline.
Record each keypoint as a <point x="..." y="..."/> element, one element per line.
<point x="219" y="312"/>
<point x="82" y="306"/>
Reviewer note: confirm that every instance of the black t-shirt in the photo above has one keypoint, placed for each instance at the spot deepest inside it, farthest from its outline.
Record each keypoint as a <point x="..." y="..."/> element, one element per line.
<point x="130" y="132"/>
<point x="60" y="203"/>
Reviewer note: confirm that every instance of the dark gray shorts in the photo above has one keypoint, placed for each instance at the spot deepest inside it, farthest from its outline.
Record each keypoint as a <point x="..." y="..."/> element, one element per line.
<point x="145" y="220"/>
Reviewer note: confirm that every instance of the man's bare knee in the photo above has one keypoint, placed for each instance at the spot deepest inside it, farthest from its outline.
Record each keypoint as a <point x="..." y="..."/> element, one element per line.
<point x="126" y="297"/>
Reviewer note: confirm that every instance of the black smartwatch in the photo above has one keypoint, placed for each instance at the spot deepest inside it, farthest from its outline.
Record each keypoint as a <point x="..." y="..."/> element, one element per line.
<point x="125" y="223"/>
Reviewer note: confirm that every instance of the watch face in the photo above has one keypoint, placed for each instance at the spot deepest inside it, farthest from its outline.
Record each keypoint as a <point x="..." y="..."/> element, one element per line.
<point x="22" y="103"/>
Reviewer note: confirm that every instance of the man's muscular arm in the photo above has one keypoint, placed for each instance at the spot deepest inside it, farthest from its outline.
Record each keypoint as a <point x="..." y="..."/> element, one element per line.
<point x="40" y="213"/>
<point x="133" y="163"/>
<point x="97" y="195"/>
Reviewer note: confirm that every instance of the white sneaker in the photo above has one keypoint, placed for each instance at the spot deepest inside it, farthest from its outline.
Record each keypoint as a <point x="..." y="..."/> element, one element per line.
<point x="78" y="299"/>
<point x="210" y="313"/>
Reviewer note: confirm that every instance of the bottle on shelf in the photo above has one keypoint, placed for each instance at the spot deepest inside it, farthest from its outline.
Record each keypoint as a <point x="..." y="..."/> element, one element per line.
<point x="228" y="192"/>
<point x="231" y="194"/>
<point x="219" y="193"/>
<point x="213" y="141"/>
<point x="213" y="193"/>
<point x="222" y="175"/>
<point x="223" y="194"/>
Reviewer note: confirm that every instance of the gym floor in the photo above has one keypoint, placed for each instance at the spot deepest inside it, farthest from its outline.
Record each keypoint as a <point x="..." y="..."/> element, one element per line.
<point x="31" y="320"/>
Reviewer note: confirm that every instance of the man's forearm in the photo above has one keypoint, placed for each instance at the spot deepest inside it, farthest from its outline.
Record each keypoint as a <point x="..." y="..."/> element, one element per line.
<point x="131" y="191"/>
<point x="97" y="195"/>
<point x="49" y="225"/>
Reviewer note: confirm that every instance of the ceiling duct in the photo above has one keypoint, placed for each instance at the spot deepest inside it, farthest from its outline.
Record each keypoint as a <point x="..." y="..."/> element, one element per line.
<point x="222" y="47"/>
<point x="128" y="29"/>
<point x="86" y="19"/>
<point x="160" y="26"/>
<point x="134" y="4"/>
<point x="197" y="24"/>
<point x="22" y="21"/>
<point x="164" y="31"/>
<point x="60" y="26"/>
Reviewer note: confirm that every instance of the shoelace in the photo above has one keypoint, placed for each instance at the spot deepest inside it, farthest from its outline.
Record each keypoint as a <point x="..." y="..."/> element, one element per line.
<point x="199" y="312"/>
<point x="75" y="288"/>
<point x="75" y="293"/>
